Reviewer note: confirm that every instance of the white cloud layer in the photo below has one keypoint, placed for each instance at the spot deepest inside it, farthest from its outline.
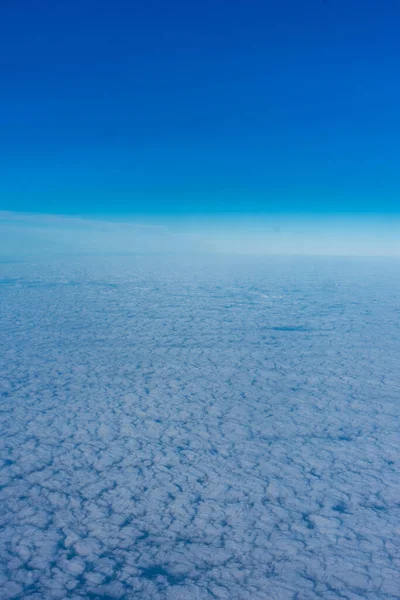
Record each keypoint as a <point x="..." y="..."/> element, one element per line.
<point x="180" y="430"/>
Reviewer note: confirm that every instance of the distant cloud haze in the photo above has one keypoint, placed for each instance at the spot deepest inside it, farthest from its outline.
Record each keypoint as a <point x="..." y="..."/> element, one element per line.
<point x="29" y="233"/>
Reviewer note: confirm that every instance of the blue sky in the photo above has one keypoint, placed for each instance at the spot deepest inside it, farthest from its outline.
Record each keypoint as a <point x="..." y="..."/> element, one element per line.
<point x="251" y="127"/>
<point x="212" y="108"/>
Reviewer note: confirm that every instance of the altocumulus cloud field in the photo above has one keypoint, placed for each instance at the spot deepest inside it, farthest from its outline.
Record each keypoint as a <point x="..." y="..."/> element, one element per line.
<point x="200" y="431"/>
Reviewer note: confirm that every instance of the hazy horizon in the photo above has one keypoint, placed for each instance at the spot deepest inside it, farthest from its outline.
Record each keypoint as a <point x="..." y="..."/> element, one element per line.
<point x="272" y="234"/>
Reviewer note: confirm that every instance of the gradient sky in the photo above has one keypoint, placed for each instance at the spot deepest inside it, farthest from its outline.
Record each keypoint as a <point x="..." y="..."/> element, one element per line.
<point x="175" y="108"/>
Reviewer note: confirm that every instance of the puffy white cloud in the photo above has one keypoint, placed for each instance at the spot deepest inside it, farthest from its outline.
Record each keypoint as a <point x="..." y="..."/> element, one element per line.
<point x="209" y="429"/>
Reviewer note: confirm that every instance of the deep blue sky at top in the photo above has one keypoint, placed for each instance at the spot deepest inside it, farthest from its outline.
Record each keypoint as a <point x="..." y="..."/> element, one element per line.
<point x="222" y="106"/>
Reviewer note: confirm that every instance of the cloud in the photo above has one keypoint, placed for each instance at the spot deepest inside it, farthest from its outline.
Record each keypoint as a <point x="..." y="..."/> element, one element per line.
<point x="176" y="432"/>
